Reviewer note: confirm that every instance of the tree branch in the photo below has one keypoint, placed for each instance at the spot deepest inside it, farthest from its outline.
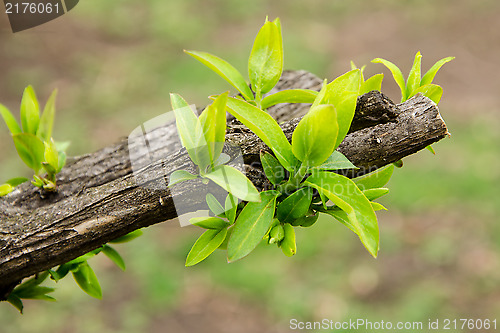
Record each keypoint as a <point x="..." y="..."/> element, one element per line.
<point x="99" y="198"/>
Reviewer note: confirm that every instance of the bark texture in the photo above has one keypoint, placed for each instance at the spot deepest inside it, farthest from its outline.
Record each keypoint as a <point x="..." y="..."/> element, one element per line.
<point x="103" y="195"/>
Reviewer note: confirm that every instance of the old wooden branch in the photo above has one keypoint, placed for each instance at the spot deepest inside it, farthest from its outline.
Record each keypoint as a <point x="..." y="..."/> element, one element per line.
<point x="102" y="195"/>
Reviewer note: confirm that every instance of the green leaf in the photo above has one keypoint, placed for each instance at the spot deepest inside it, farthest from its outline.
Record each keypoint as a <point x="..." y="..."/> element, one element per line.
<point x="213" y="125"/>
<point x="201" y="149"/>
<point x="225" y="70"/>
<point x="9" y="119"/>
<point x="214" y="205"/>
<point x="376" y="206"/>
<point x="31" y="289"/>
<point x="265" y="64"/>
<point x="62" y="160"/>
<point x="251" y="226"/>
<point x="305" y="221"/>
<point x="209" y="222"/>
<point x="373" y="83"/>
<point x="233" y="181"/>
<point x="431" y="91"/>
<point x="128" y="237"/>
<point x="396" y="73"/>
<point x="49" y="185"/>
<point x="33" y="292"/>
<point x="375" y="179"/>
<point x="342" y="217"/>
<point x="31" y="150"/>
<point x="37" y="181"/>
<point x="431" y="73"/>
<point x="44" y="297"/>
<point x="274" y="223"/>
<point x="343" y="93"/>
<point x="398" y="164"/>
<point x="11" y="184"/>
<point x="16" y="302"/>
<point x="87" y="280"/>
<point x="48" y="168"/>
<point x="231" y="205"/>
<point x="375" y="193"/>
<point x="16" y="181"/>
<point x="266" y="128"/>
<point x="51" y="155"/>
<point x="289" y="96"/>
<point x="288" y="244"/>
<point x="336" y="161"/>
<point x="295" y="206"/>
<point x="345" y="194"/>
<point x="320" y="98"/>
<point x="414" y="77"/>
<point x="208" y="242"/>
<point x="186" y="122"/>
<point x="429" y="148"/>
<point x="115" y="257"/>
<point x="44" y="131"/>
<point x="179" y="176"/>
<point x="177" y="101"/>
<point x="272" y="168"/>
<point x="32" y="282"/>
<point x="30" y="111"/>
<point x="5" y="189"/>
<point x="278" y="25"/>
<point x="314" y="138"/>
<point x="219" y="119"/>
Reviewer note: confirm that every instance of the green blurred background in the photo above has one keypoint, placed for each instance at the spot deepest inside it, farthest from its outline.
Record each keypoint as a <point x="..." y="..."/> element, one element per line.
<point x="114" y="63"/>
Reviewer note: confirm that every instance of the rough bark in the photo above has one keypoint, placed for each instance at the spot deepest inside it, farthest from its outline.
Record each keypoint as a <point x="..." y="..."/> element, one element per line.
<point x="99" y="198"/>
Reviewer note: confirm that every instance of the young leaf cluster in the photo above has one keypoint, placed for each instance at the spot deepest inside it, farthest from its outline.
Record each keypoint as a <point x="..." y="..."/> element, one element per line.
<point x="34" y="143"/>
<point x="416" y="83"/>
<point x="302" y="172"/>
<point x="79" y="268"/>
<point x="36" y="147"/>
<point x="203" y="137"/>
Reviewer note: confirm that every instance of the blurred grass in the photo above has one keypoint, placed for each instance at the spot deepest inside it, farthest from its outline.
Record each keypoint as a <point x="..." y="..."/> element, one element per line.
<point x="115" y="62"/>
<point x="462" y="174"/>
